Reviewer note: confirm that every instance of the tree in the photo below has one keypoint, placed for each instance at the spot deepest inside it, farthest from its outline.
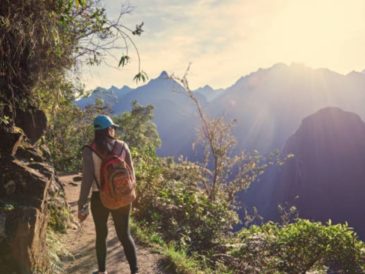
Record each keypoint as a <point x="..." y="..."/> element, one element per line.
<point x="70" y="130"/>
<point x="137" y="128"/>
<point x="226" y="174"/>
<point x="41" y="40"/>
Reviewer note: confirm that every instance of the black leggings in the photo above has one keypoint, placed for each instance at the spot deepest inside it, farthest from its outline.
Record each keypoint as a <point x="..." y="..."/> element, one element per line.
<point x="121" y="223"/>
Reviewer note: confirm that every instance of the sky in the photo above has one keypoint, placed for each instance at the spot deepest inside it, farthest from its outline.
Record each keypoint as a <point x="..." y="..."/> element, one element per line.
<point x="224" y="40"/>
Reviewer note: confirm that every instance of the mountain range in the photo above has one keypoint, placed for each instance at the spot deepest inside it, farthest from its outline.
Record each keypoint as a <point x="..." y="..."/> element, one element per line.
<point x="268" y="104"/>
<point x="285" y="107"/>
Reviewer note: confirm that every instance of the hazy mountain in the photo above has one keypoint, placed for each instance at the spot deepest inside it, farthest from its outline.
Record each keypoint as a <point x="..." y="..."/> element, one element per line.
<point x="268" y="104"/>
<point x="110" y="97"/>
<point x="327" y="173"/>
<point x="171" y="104"/>
<point x="208" y="92"/>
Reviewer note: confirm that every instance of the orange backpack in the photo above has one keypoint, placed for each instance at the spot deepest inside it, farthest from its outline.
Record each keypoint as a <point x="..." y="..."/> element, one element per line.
<point x="117" y="185"/>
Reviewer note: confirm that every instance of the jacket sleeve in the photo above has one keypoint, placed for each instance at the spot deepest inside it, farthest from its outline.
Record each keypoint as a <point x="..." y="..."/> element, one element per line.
<point x="87" y="177"/>
<point x="128" y="159"/>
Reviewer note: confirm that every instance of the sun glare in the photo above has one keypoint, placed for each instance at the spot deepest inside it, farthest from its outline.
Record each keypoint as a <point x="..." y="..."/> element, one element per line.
<point x="318" y="33"/>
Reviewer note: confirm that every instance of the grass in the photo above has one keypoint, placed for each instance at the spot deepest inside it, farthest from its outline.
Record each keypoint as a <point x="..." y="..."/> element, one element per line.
<point x="176" y="261"/>
<point x="56" y="250"/>
<point x="181" y="263"/>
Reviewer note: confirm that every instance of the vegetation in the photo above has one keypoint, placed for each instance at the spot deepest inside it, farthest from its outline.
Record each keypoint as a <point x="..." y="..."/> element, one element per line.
<point x="56" y="250"/>
<point x="41" y="41"/>
<point x="297" y="248"/>
<point x="59" y="215"/>
<point x="137" y="128"/>
<point x="70" y="131"/>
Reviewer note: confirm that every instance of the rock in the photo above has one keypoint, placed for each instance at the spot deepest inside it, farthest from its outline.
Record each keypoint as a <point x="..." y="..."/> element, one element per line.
<point x="33" y="122"/>
<point x="10" y="142"/>
<point x="56" y="188"/>
<point x="9" y="187"/>
<point x="46" y="153"/>
<point x="42" y="168"/>
<point x="26" y="234"/>
<point x="2" y="226"/>
<point x="28" y="154"/>
<point x="24" y="216"/>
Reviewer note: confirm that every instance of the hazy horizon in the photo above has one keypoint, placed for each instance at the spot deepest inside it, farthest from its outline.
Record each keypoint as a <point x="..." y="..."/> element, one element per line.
<point x="151" y="77"/>
<point x="226" y="40"/>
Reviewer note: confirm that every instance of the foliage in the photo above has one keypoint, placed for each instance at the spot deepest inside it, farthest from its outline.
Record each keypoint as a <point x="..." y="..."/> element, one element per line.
<point x="171" y="203"/>
<point x="179" y="262"/>
<point x="6" y="206"/>
<point x="59" y="216"/>
<point x="298" y="247"/>
<point x="56" y="250"/>
<point x="70" y="130"/>
<point x="137" y="128"/>
<point x="176" y="260"/>
<point x="183" y="214"/>
<point x="41" y="41"/>
<point x="31" y="46"/>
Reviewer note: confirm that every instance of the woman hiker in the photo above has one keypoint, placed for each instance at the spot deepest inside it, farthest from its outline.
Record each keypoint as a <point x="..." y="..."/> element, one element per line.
<point x="105" y="143"/>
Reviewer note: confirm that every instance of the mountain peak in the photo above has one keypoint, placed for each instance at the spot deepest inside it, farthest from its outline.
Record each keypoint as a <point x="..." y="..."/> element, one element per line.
<point x="163" y="75"/>
<point x="298" y="65"/>
<point x="276" y="66"/>
<point x="113" y="89"/>
<point x="125" y="87"/>
<point x="205" y="88"/>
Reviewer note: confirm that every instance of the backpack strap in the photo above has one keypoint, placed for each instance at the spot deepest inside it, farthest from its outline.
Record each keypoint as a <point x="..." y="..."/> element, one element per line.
<point x="119" y="149"/>
<point x="92" y="147"/>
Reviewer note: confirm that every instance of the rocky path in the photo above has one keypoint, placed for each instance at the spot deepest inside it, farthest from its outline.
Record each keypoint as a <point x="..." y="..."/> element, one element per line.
<point x="79" y="241"/>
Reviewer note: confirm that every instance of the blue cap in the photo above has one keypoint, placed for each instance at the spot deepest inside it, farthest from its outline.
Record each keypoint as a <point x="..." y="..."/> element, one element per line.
<point x="103" y="122"/>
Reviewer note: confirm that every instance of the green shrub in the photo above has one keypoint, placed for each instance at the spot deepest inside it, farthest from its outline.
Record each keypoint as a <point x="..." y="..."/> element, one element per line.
<point x="299" y="247"/>
<point x="59" y="215"/>
<point x="55" y="251"/>
<point x="172" y="202"/>
<point x="71" y="129"/>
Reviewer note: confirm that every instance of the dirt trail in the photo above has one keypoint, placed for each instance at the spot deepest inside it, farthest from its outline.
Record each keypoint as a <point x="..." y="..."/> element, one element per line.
<point x="80" y="243"/>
